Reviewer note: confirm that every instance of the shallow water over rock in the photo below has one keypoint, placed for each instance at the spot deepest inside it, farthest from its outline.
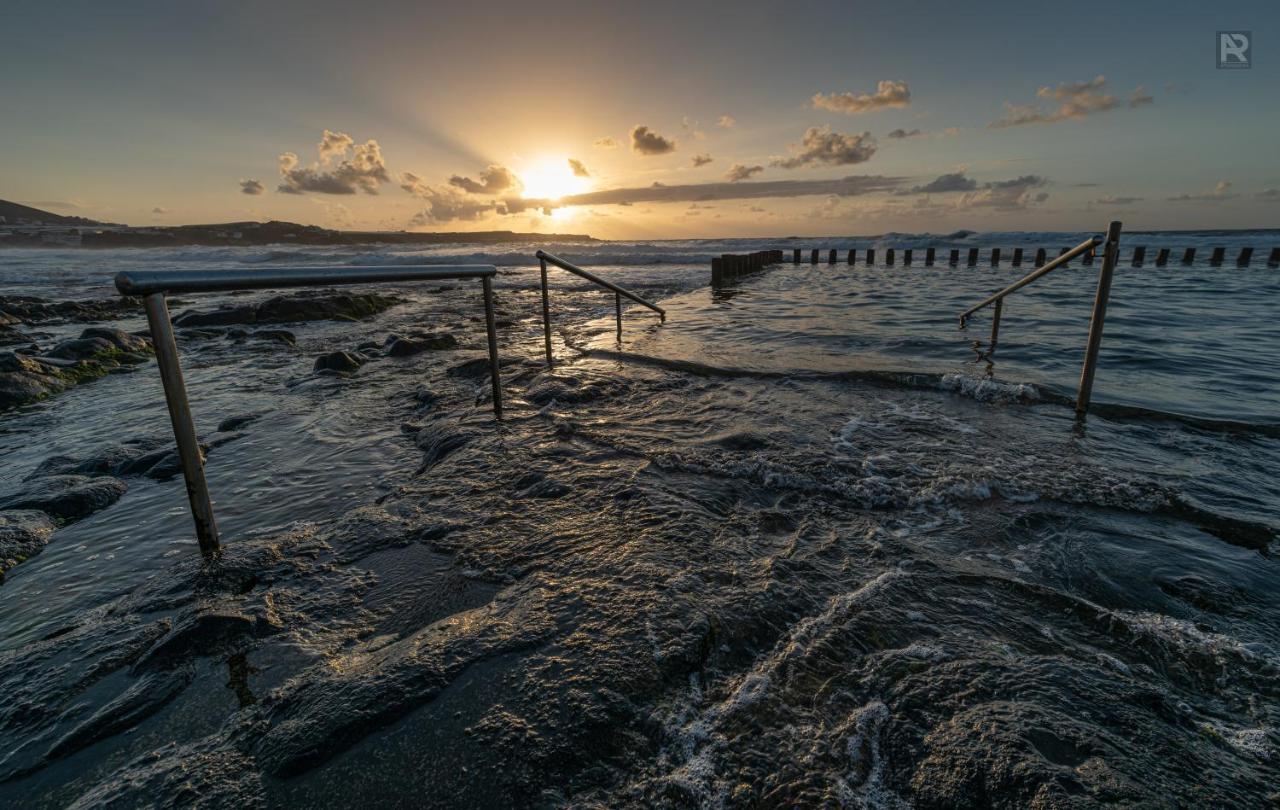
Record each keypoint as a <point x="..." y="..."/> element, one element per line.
<point x="732" y="561"/>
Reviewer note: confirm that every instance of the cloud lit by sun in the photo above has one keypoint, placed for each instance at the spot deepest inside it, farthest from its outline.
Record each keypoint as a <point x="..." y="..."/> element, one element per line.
<point x="551" y="180"/>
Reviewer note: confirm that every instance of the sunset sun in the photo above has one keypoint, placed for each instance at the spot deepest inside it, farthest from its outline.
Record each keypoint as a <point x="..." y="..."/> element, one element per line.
<point x="552" y="179"/>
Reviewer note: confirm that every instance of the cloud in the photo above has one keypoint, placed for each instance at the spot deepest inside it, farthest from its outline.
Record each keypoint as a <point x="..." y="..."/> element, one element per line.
<point x="1140" y="97"/>
<point x="1221" y="191"/>
<point x="606" y="143"/>
<point x="903" y="134"/>
<point x="1007" y="195"/>
<point x="852" y="185"/>
<point x="646" y="142"/>
<point x="888" y="94"/>
<point x="579" y="168"/>
<point x="493" y="180"/>
<point x="445" y="203"/>
<point x="955" y="181"/>
<point x="159" y="209"/>
<point x="1113" y="200"/>
<point x="738" y="172"/>
<point x="1075" y="100"/>
<point x="336" y="173"/>
<point x="1270" y="195"/>
<point x="67" y="206"/>
<point x="703" y="159"/>
<point x="251" y="186"/>
<point x="822" y="146"/>
<point x="899" y="134"/>
<point x="726" y="121"/>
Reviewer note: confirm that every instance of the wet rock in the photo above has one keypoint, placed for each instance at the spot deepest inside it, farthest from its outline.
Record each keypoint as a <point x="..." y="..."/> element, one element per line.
<point x="292" y="309"/>
<point x="129" y="458"/>
<point x="67" y="497"/>
<point x="341" y="362"/>
<point x="404" y="347"/>
<point x="26" y="379"/>
<point x="440" y="438"/>
<point x="475" y="369"/>
<point x="237" y="422"/>
<point x="277" y="335"/>
<point x="23" y="534"/>
<point x="32" y="310"/>
<point x="80" y="349"/>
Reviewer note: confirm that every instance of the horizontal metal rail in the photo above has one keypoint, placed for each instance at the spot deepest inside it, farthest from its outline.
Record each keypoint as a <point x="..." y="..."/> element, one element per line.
<point x="618" y="294"/>
<point x="1083" y="247"/>
<point x="153" y="285"/>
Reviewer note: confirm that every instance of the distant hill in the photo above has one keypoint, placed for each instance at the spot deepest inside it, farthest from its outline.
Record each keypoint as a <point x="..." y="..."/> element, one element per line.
<point x="12" y="212"/>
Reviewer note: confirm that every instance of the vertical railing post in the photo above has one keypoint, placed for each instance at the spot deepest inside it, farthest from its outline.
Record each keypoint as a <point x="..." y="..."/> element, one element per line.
<point x="1110" y="254"/>
<point x="492" y="329"/>
<point x="617" y="307"/>
<point x="546" y="315"/>
<point x="995" y="324"/>
<point x="184" y="429"/>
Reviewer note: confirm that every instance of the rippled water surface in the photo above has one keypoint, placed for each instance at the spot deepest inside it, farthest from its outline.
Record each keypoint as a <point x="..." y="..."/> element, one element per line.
<point x="805" y="542"/>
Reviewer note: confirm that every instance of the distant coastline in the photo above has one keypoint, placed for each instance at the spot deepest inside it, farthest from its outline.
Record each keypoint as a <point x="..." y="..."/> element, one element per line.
<point x="26" y="227"/>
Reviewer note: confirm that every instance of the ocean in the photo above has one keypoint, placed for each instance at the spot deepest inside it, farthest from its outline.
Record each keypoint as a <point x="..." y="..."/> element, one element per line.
<point x="806" y="542"/>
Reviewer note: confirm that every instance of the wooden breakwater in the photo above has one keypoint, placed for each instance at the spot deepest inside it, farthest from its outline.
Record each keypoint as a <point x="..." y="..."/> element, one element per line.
<point x="730" y="266"/>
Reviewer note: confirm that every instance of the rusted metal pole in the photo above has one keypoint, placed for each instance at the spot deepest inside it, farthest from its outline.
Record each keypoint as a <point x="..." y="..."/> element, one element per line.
<point x="184" y="428"/>
<point x="617" y="307"/>
<point x="1110" y="253"/>
<point x="546" y="312"/>
<point x="492" y="329"/>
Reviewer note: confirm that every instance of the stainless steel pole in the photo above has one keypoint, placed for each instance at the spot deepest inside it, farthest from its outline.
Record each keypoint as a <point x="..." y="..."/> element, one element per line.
<point x="995" y="325"/>
<point x="1111" y="252"/>
<point x="493" y="345"/>
<point x="184" y="429"/>
<point x="546" y="314"/>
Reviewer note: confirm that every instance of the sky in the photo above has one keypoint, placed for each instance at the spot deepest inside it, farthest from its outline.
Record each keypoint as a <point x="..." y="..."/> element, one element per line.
<point x="643" y="120"/>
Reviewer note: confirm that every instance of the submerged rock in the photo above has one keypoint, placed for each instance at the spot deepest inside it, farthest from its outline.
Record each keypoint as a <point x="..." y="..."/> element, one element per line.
<point x="32" y="310"/>
<point x="23" y="534"/>
<point x="404" y="347"/>
<point x="341" y="362"/>
<point x="67" y="497"/>
<point x="277" y="335"/>
<point x="292" y="309"/>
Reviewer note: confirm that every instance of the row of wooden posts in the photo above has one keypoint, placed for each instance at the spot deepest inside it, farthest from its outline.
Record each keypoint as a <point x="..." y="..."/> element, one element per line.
<point x="730" y="266"/>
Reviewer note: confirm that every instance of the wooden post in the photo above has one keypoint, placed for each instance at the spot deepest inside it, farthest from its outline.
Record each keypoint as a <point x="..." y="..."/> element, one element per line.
<point x="1111" y="251"/>
<point x="1017" y="257"/>
<point x="1162" y="257"/>
<point x="717" y="272"/>
<point x="1188" y="255"/>
<point x="871" y="257"/>
<point x="1218" y="255"/>
<point x="852" y="255"/>
<point x="888" y="257"/>
<point x="1139" y="256"/>
<point x="813" y="256"/>
<point x="1040" y="257"/>
<point x="973" y="257"/>
<point x="795" y="255"/>
<point x="1246" y="255"/>
<point x="928" y="257"/>
<point x="546" y="307"/>
<point x="1274" y="259"/>
<point x="906" y="257"/>
<point x="995" y="257"/>
<point x="1087" y="259"/>
<point x="831" y="256"/>
<point x="955" y="257"/>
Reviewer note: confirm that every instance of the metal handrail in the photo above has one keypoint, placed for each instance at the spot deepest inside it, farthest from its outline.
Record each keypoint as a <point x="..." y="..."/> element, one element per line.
<point x="1085" y="246"/>
<point x="1110" y="255"/>
<point x="155" y="284"/>
<point x="618" y="294"/>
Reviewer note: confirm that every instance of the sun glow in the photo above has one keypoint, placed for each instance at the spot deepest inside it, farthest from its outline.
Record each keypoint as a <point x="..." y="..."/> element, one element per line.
<point x="551" y="180"/>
